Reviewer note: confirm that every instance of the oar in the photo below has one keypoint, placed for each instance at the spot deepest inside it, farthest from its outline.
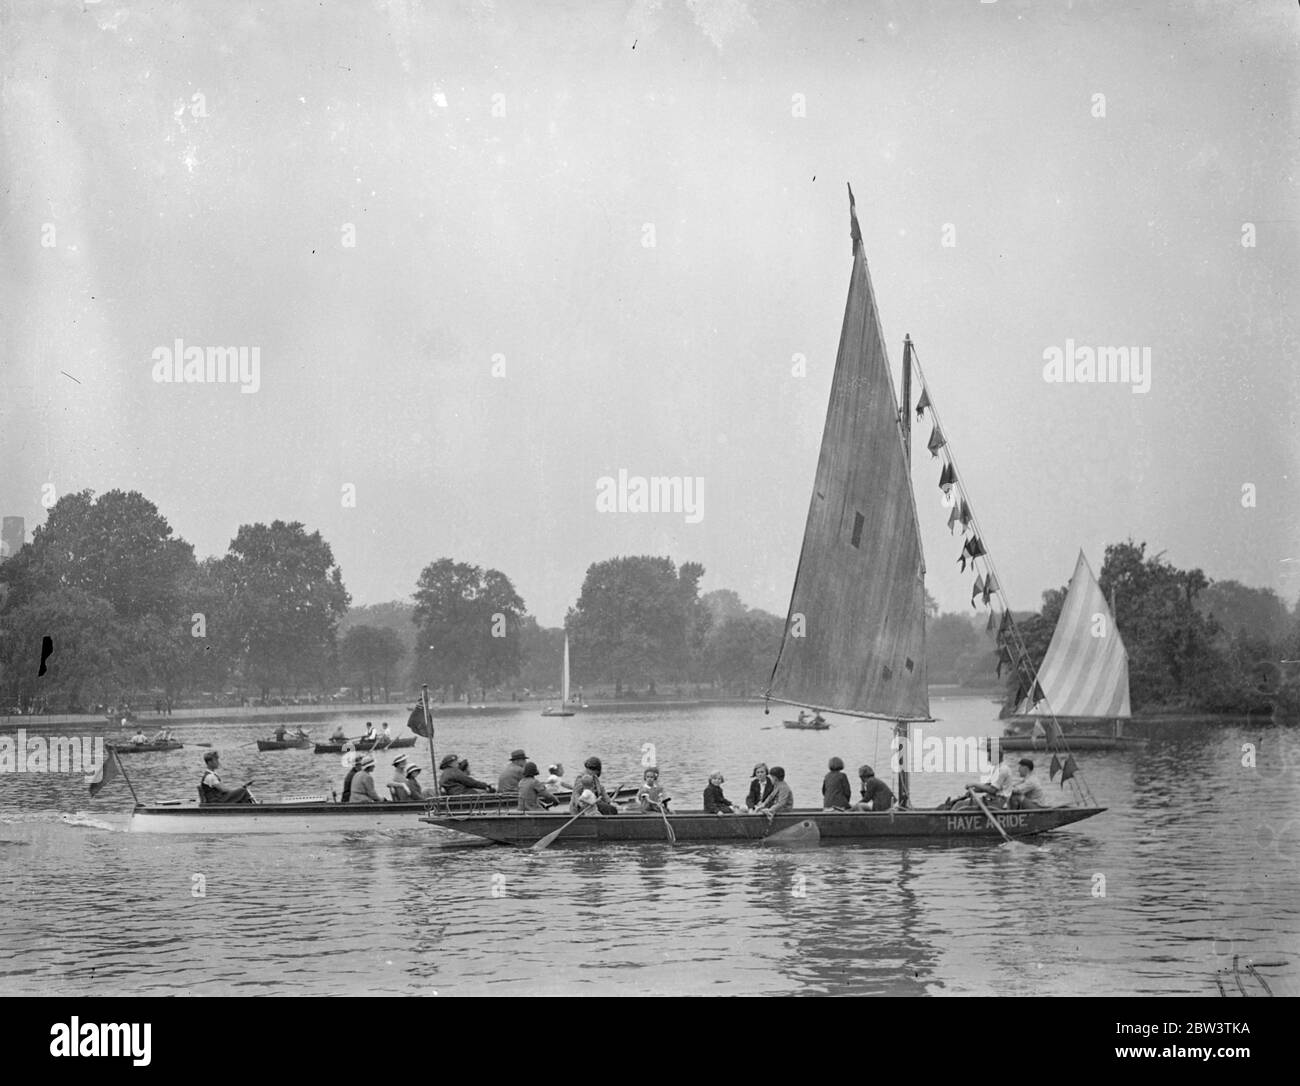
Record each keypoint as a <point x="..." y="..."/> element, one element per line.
<point x="672" y="837"/>
<point x="996" y="824"/>
<point x="549" y="839"/>
<point x="801" y="833"/>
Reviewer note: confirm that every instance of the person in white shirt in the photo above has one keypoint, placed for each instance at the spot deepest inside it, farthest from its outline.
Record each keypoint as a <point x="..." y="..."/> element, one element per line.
<point x="995" y="788"/>
<point x="555" y="778"/>
<point x="1026" y="792"/>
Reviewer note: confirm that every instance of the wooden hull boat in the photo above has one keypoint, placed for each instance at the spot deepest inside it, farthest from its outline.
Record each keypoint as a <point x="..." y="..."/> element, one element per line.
<point x="144" y="748"/>
<point x="365" y="744"/>
<point x="318" y="815"/>
<point x="556" y="712"/>
<point x="866" y="828"/>
<point x="283" y="744"/>
<point x="1071" y="742"/>
<point x="806" y="725"/>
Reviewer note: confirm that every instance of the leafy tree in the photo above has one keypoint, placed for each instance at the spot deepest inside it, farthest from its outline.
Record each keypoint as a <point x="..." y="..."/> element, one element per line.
<point x="542" y="655"/>
<point x="112" y="565"/>
<point x="468" y="621"/>
<point x="741" y="650"/>
<point x="370" y="655"/>
<point x="285" y="597"/>
<point x="637" y="620"/>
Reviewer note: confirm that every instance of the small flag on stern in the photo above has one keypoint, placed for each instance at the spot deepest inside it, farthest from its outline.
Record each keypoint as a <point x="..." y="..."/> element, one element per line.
<point x="108" y="769"/>
<point x="416" y="722"/>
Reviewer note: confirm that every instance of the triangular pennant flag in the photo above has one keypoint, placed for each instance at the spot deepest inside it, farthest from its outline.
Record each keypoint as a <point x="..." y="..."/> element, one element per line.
<point x="108" y="769"/>
<point x="1020" y="693"/>
<point x="989" y="627"/>
<point x="979" y="587"/>
<point x="923" y="402"/>
<point x="965" y="516"/>
<point x="1038" y="729"/>
<point x="990" y="586"/>
<point x="947" y="478"/>
<point x="1068" y="770"/>
<point x="936" y="442"/>
<point x="952" y="518"/>
<point x="1004" y="660"/>
<point x="1055" y="768"/>
<point x="1037" y="695"/>
<point x="974" y="547"/>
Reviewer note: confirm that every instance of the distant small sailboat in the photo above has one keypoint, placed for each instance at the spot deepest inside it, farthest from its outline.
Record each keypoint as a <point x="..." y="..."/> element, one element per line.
<point x="1084" y="676"/>
<point x="564" y="709"/>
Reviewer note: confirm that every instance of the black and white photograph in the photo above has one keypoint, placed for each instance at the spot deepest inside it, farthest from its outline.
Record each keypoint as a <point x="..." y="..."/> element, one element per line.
<point x="661" y="498"/>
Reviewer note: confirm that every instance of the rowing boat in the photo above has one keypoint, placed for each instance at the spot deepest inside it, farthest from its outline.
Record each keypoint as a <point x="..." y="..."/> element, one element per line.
<point x="854" y="639"/>
<point x="807" y="725"/>
<point x="144" y="748"/>
<point x="894" y="826"/>
<point x="319" y="815"/>
<point x="284" y="744"/>
<point x="365" y="744"/>
<point x="1072" y="742"/>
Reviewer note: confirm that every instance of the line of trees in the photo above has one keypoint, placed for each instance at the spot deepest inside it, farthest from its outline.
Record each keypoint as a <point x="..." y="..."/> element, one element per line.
<point x="134" y="617"/>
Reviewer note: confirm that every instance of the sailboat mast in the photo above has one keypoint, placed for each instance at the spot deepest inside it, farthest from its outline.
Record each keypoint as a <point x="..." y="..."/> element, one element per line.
<point x="901" y="728"/>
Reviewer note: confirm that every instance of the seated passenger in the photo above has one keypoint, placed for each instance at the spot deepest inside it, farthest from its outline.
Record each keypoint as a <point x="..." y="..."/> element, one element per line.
<point x="347" y="781"/>
<point x="139" y="737"/>
<point x="836" y="793"/>
<point x="714" y="801"/>
<point x="651" y="795"/>
<point x="782" y="798"/>
<point x="163" y="736"/>
<point x="339" y="736"/>
<point x="760" y="787"/>
<point x="995" y="790"/>
<point x="213" y="791"/>
<point x="363" y="784"/>
<point x="876" y="794"/>
<point x="1026" y="793"/>
<point x="454" y="781"/>
<point x="413" y="784"/>
<point x="280" y="733"/>
<point x="399" y="772"/>
<point x="533" y="794"/>
<point x="554" y="779"/>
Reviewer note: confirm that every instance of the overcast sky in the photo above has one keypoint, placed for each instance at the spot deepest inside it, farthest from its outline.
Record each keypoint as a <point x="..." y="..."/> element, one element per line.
<point x="199" y="165"/>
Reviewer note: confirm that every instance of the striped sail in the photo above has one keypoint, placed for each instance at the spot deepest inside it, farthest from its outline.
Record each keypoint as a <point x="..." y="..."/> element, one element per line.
<point x="854" y="639"/>
<point x="1085" y="671"/>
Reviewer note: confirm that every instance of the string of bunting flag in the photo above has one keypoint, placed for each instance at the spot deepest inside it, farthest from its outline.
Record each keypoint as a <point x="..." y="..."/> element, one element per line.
<point x="975" y="558"/>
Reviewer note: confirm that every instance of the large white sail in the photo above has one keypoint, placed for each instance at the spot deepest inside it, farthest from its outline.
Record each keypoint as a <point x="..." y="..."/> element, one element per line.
<point x="1085" y="671"/>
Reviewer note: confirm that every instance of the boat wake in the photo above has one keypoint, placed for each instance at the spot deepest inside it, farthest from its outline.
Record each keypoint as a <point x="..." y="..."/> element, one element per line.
<point x="89" y="822"/>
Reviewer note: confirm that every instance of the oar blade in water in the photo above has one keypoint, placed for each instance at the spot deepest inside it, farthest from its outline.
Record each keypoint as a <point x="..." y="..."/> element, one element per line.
<point x="803" y="834"/>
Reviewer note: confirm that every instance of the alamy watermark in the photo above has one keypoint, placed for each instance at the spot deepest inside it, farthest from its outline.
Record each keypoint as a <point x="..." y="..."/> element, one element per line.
<point x="1104" y="365"/>
<point x="656" y="494"/>
<point x="179" y="364"/>
<point x="947" y="754"/>
<point x="22" y="753"/>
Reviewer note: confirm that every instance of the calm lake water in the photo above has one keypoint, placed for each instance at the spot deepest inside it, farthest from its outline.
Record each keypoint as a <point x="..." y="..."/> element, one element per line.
<point x="1200" y="858"/>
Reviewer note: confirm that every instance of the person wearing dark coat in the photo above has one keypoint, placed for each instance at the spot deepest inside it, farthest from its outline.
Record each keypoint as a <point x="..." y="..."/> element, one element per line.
<point x="714" y="801"/>
<point x="347" y="781"/>
<point x="454" y="781"/>
<point x="760" y="787"/>
<point x="876" y="794"/>
<point x="836" y="793"/>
